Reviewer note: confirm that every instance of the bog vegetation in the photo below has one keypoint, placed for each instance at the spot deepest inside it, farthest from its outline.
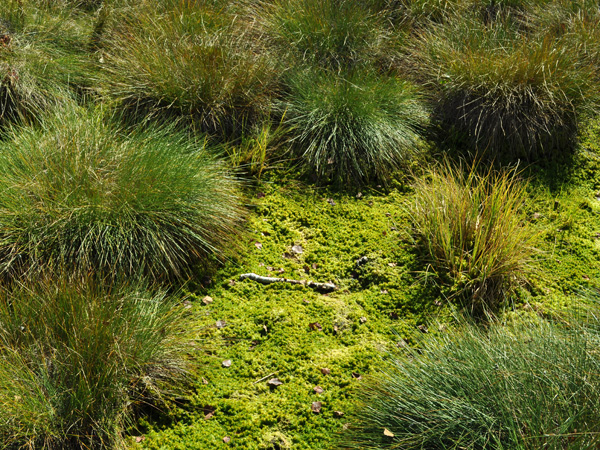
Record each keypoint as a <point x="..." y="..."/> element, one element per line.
<point x="432" y="159"/>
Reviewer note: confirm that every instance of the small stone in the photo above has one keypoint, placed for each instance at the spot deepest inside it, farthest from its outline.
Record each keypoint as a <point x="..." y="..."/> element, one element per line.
<point x="258" y="245"/>
<point x="297" y="249"/>
<point x="325" y="371"/>
<point x="187" y="304"/>
<point x="221" y="324"/>
<point x="359" y="195"/>
<point x="226" y="439"/>
<point x="207" y="300"/>
<point x="363" y="320"/>
<point x="318" y="390"/>
<point x="226" y="363"/>
<point x="330" y="201"/>
<point x="139" y="439"/>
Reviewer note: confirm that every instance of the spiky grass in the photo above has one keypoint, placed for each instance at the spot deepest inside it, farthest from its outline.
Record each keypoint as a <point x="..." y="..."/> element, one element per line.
<point x="502" y="92"/>
<point x="82" y="194"/>
<point x="194" y="60"/>
<point x="75" y="358"/>
<point x="518" y="387"/>
<point x="472" y="230"/>
<point x="355" y="128"/>
<point x="42" y="57"/>
<point x="331" y="34"/>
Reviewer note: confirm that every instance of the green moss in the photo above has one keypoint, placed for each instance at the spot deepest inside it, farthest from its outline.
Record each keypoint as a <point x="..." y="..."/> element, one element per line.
<point x="268" y="329"/>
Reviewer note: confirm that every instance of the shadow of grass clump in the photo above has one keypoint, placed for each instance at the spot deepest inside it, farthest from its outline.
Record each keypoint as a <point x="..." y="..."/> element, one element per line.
<point x="81" y="194"/>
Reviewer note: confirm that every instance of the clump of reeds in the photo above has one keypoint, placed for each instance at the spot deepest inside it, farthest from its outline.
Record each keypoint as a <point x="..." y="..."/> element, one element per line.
<point x="472" y="230"/>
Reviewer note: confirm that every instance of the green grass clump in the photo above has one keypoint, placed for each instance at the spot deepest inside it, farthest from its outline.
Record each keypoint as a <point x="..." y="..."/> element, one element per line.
<point x="76" y="358"/>
<point x="517" y="387"/>
<point x="501" y="92"/>
<point x="331" y="34"/>
<point x="42" y="56"/>
<point x="79" y="193"/>
<point x="471" y="227"/>
<point x="356" y="128"/>
<point x="194" y="60"/>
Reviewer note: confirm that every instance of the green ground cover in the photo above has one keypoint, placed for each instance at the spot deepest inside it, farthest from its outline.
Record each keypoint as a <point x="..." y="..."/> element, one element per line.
<point x="268" y="328"/>
<point x="151" y="152"/>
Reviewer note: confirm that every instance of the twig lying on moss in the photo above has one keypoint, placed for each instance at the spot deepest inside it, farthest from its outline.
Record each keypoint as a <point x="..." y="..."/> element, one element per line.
<point x="319" y="287"/>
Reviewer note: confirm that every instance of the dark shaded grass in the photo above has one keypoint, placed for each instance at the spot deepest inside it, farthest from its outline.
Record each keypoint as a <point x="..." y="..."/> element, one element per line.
<point x="197" y="60"/>
<point x="504" y="92"/>
<point x="76" y="358"/>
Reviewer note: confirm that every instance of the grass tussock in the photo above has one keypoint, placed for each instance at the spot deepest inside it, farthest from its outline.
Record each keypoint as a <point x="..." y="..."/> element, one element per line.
<point x="354" y="128"/>
<point x="472" y="230"/>
<point x="337" y="35"/>
<point x="78" y="193"/>
<point x="502" y="92"/>
<point x="195" y="60"/>
<point x="71" y="380"/>
<point x="517" y="387"/>
<point x="42" y="57"/>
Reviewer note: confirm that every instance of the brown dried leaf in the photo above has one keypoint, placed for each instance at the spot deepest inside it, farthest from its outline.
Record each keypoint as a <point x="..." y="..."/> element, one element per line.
<point x="204" y="380"/>
<point x="338" y="413"/>
<point x="315" y="326"/>
<point x="139" y="439"/>
<point x="226" y="439"/>
<point x="318" y="390"/>
<point x="275" y="382"/>
<point x="316" y="407"/>
<point x="325" y="371"/>
<point x="221" y="324"/>
<point x="258" y="245"/>
<point x="387" y="433"/>
<point x="297" y="249"/>
<point x="362" y="319"/>
<point x="356" y="376"/>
